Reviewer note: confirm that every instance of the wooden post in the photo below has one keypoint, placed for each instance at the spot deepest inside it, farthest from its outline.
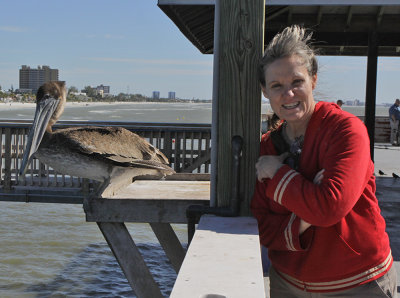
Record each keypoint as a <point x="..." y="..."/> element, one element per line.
<point x="240" y="45"/>
<point x="170" y="243"/>
<point x="130" y="259"/>
<point x="7" y="160"/>
<point x="370" y="100"/>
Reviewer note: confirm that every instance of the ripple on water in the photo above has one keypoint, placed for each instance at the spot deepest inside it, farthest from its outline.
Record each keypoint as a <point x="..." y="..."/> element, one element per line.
<point x="49" y="250"/>
<point x="94" y="272"/>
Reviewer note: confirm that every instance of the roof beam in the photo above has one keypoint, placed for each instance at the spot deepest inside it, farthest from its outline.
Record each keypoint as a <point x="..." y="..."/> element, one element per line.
<point x="349" y="16"/>
<point x="319" y="15"/>
<point x="289" y="17"/>
<point x="278" y="13"/>
<point x="288" y="2"/>
<point x="380" y="15"/>
<point x="332" y="2"/>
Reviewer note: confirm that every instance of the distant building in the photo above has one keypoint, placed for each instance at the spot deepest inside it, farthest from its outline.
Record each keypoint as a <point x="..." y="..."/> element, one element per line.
<point x="33" y="78"/>
<point x="22" y="91"/>
<point x="102" y="90"/>
<point x="156" y="94"/>
<point x="349" y="102"/>
<point x="171" y="95"/>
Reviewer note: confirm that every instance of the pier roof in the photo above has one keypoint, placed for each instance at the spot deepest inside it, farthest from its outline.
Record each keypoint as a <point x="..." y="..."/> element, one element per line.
<point x="340" y="26"/>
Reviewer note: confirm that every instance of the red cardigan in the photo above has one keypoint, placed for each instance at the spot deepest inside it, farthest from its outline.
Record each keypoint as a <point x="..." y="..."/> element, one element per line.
<point x="347" y="244"/>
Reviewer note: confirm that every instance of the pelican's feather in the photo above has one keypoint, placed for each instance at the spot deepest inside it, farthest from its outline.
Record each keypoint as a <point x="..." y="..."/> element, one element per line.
<point x="115" y="144"/>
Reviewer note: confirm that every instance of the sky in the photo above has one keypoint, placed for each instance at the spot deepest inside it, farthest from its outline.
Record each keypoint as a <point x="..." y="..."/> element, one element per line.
<point x="133" y="47"/>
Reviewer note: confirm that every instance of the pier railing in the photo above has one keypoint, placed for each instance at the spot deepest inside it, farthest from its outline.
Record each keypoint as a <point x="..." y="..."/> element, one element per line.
<point x="187" y="146"/>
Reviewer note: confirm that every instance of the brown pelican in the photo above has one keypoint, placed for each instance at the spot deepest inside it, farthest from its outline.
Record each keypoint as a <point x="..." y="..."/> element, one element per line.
<point x="111" y="155"/>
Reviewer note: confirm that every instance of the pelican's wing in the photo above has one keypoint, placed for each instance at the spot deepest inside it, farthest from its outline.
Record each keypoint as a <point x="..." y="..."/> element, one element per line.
<point x="115" y="144"/>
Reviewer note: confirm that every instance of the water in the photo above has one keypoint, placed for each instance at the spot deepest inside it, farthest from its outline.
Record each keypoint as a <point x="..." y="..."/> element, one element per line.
<point x="143" y="112"/>
<point x="49" y="250"/>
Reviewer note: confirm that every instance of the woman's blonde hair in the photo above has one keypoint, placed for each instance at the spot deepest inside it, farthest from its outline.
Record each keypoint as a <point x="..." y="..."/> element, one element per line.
<point x="293" y="40"/>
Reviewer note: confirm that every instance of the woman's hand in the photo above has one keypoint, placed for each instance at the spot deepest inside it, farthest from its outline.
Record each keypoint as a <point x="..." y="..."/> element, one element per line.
<point x="268" y="165"/>
<point x="303" y="226"/>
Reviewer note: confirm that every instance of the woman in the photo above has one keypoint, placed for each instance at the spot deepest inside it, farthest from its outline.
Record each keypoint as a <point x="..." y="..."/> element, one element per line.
<point x="315" y="195"/>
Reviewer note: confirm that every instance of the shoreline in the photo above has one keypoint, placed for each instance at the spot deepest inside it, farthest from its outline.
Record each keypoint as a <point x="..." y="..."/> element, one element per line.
<point x="31" y="105"/>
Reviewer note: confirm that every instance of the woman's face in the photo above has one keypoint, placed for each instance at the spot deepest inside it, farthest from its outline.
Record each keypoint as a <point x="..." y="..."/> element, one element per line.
<point x="289" y="88"/>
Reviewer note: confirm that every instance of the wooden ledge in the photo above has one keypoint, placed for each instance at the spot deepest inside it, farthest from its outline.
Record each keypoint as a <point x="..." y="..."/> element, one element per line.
<point x="223" y="260"/>
<point x="154" y="201"/>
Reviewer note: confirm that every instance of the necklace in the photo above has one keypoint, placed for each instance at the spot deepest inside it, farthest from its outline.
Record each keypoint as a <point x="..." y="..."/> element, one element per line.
<point x="295" y="147"/>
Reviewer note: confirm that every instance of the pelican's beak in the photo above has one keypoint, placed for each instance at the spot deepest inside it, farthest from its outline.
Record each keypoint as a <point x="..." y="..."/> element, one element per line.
<point x="44" y="110"/>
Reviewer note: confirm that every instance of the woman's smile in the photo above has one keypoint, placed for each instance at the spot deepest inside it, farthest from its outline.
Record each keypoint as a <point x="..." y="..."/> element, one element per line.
<point x="291" y="106"/>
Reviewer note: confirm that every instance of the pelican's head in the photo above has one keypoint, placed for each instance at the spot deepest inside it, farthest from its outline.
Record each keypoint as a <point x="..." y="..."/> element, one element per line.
<point x="50" y="101"/>
<point x="52" y="94"/>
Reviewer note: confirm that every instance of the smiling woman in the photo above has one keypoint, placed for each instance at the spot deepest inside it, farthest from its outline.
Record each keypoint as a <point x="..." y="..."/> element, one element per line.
<point x="315" y="196"/>
<point x="289" y="88"/>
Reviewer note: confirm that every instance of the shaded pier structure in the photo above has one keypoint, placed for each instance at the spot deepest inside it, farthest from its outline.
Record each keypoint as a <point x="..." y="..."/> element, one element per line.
<point x="235" y="32"/>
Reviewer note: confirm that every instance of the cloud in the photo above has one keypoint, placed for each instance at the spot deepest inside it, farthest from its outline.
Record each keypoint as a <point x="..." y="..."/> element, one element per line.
<point x="12" y="29"/>
<point x="151" y="61"/>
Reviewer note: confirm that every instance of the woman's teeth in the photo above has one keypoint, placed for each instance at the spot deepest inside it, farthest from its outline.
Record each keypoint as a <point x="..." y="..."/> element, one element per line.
<point x="291" y="106"/>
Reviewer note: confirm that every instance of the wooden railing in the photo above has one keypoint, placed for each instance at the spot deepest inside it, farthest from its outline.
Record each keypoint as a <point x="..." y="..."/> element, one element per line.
<point x="187" y="147"/>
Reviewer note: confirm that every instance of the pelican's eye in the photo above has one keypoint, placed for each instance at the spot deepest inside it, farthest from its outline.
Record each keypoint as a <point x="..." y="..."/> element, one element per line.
<point x="46" y="96"/>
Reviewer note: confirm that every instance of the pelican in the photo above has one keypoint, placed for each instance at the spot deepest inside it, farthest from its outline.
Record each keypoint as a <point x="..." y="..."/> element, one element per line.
<point x="114" y="156"/>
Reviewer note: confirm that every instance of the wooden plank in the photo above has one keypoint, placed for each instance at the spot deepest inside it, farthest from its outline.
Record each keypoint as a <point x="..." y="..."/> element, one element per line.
<point x="166" y="190"/>
<point x="139" y="210"/>
<point x="150" y="201"/>
<point x="7" y="160"/>
<point x="1" y="154"/>
<point x="170" y="243"/>
<point x="197" y="162"/>
<point x="130" y="259"/>
<point x="239" y="95"/>
<point x="223" y="259"/>
<point x="41" y="198"/>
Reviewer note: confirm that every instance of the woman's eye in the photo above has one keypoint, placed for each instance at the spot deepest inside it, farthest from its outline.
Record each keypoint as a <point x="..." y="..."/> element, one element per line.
<point x="297" y="82"/>
<point x="275" y="86"/>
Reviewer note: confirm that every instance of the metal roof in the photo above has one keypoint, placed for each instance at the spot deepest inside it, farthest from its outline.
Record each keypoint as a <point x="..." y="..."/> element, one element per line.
<point x="340" y="27"/>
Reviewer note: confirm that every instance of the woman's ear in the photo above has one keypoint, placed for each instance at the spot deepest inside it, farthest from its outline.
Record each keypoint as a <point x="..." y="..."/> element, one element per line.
<point x="264" y="91"/>
<point x="314" y="80"/>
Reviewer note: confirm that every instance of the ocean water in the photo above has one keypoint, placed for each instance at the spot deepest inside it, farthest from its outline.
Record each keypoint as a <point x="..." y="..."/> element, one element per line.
<point x="49" y="250"/>
<point x="145" y="112"/>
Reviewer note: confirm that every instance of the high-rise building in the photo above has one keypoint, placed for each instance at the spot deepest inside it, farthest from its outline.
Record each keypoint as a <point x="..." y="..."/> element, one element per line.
<point x="171" y="95"/>
<point x="31" y="78"/>
<point x="102" y="89"/>
<point x="156" y="94"/>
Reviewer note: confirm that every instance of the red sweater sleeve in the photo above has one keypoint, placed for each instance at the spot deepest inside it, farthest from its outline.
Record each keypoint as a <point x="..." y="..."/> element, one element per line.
<point x="348" y="167"/>
<point x="278" y="227"/>
<point x="278" y="231"/>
